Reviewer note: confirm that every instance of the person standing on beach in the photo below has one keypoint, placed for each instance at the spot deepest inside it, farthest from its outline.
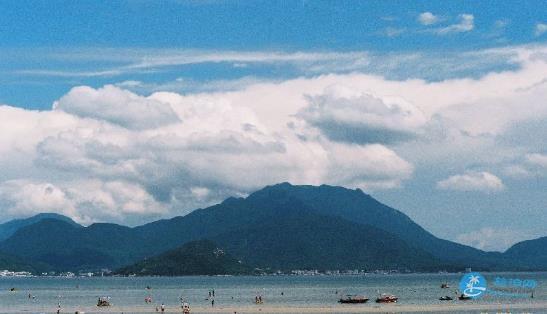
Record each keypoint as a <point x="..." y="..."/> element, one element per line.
<point x="212" y="302"/>
<point x="162" y="307"/>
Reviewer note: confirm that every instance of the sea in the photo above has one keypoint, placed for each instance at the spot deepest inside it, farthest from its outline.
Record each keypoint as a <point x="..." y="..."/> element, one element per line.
<point x="127" y="294"/>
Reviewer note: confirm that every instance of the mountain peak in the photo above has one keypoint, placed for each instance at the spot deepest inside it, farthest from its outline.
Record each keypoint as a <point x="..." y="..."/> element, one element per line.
<point x="306" y="188"/>
<point x="52" y="216"/>
<point x="7" y="229"/>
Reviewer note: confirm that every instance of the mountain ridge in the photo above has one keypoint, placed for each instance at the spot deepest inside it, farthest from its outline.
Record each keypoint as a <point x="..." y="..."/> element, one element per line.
<point x="8" y="228"/>
<point x="236" y="223"/>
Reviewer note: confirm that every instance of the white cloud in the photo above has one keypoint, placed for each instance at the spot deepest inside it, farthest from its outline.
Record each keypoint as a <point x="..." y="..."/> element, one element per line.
<point x="499" y="24"/>
<point x="517" y="172"/>
<point x="537" y="159"/>
<point x="472" y="181"/>
<point x="116" y="106"/>
<point x="393" y="31"/>
<point x="540" y="29"/>
<point x="491" y="239"/>
<point x="368" y="167"/>
<point x="84" y="201"/>
<point x="152" y="60"/>
<point x="149" y="62"/>
<point x="167" y="153"/>
<point x="466" y="24"/>
<point x="350" y="115"/>
<point x="427" y="18"/>
<point x="145" y="163"/>
<point x="531" y="165"/>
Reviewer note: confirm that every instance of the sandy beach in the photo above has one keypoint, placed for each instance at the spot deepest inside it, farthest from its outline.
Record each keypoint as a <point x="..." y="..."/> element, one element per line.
<point x="525" y="307"/>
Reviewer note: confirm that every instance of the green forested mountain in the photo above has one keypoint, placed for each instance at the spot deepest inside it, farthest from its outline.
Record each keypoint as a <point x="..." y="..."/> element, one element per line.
<point x="279" y="227"/>
<point x="531" y="252"/>
<point x="12" y="263"/>
<point x="7" y="229"/>
<point x="201" y="257"/>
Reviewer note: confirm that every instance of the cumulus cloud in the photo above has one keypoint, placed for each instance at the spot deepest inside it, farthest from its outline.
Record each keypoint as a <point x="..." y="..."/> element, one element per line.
<point x="427" y="18"/>
<point x="369" y="167"/>
<point x="115" y="155"/>
<point x="172" y="153"/>
<point x="472" y="181"/>
<point x="116" y="106"/>
<point x="466" y="23"/>
<point x="540" y="29"/>
<point x="84" y="200"/>
<point x="350" y="115"/>
<point x="491" y="239"/>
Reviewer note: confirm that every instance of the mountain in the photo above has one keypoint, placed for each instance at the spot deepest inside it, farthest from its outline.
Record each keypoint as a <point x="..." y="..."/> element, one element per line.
<point x="279" y="227"/>
<point x="64" y="246"/>
<point x="202" y="257"/>
<point x="533" y="253"/>
<point x="7" y="229"/>
<point x="12" y="263"/>
<point x="299" y="239"/>
<point x="279" y="234"/>
<point x="358" y="207"/>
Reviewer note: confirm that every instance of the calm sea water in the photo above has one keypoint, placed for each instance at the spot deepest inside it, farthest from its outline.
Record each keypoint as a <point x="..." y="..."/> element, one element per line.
<point x="293" y="291"/>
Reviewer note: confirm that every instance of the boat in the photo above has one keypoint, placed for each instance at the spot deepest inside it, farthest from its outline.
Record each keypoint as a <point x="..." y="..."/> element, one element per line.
<point x="387" y="298"/>
<point x="445" y="285"/>
<point x="446" y="298"/>
<point x="103" y="301"/>
<point x="353" y="299"/>
<point x="464" y="297"/>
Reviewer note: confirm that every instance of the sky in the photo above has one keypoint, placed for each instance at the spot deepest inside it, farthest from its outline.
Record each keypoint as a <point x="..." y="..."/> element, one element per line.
<point x="132" y="111"/>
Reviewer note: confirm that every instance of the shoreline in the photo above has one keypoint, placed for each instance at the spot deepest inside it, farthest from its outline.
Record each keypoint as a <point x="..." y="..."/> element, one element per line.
<point x="349" y="309"/>
<point x="285" y="275"/>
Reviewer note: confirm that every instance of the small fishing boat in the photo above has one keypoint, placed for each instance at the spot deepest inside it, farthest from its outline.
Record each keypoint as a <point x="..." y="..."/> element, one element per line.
<point x="445" y="285"/>
<point x="446" y="298"/>
<point x="464" y="297"/>
<point x="352" y="299"/>
<point x="387" y="298"/>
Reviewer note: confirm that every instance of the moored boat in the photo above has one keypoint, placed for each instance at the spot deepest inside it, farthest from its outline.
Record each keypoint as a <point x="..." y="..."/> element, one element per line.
<point x="446" y="298"/>
<point x="387" y="298"/>
<point x="464" y="297"/>
<point x="353" y="299"/>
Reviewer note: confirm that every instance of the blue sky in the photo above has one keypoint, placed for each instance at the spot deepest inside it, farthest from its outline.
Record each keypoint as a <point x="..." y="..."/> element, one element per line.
<point x="55" y="35"/>
<point x="434" y="107"/>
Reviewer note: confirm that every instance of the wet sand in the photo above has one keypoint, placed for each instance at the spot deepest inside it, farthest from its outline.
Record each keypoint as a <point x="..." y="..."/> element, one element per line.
<point x="524" y="307"/>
